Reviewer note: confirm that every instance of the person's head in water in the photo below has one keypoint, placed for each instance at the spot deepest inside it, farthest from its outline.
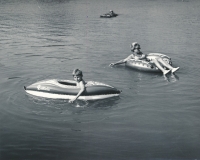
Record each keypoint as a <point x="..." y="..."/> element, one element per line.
<point x="77" y="74"/>
<point x="135" y="47"/>
<point x="111" y="11"/>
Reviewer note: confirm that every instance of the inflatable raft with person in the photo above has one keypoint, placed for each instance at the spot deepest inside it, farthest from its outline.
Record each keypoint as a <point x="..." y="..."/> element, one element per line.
<point x="144" y="65"/>
<point x="67" y="89"/>
<point x="109" y="15"/>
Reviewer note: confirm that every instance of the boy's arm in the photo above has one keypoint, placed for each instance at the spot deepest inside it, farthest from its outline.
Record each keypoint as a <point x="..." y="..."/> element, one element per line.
<point x="82" y="86"/>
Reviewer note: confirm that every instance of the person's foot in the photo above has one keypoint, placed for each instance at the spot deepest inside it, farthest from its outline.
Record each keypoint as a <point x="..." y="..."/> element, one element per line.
<point x="166" y="71"/>
<point x="174" y="69"/>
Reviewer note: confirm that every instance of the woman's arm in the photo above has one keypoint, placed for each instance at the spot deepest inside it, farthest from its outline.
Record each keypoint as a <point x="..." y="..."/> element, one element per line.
<point x="122" y="61"/>
<point x="116" y="63"/>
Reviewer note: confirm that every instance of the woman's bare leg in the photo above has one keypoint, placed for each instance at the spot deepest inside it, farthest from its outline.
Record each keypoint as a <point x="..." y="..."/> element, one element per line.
<point x="167" y="65"/>
<point x="160" y="67"/>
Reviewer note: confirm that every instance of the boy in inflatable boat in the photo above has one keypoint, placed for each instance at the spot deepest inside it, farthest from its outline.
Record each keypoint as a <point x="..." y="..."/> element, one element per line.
<point x="138" y="55"/>
<point x="78" y="77"/>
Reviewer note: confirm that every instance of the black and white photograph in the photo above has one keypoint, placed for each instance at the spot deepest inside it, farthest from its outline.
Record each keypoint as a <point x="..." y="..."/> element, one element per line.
<point x="99" y="79"/>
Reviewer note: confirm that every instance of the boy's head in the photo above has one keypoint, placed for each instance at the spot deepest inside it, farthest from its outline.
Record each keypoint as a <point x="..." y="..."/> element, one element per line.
<point x="77" y="74"/>
<point x="135" y="46"/>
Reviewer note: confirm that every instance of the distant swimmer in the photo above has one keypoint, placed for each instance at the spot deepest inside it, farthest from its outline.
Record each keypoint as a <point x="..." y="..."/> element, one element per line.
<point x="110" y="14"/>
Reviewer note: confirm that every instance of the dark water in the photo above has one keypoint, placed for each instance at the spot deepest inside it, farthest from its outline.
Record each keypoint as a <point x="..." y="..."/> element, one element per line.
<point x="154" y="117"/>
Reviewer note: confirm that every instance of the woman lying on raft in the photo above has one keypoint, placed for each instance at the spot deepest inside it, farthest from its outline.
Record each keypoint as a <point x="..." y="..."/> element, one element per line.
<point x="138" y="55"/>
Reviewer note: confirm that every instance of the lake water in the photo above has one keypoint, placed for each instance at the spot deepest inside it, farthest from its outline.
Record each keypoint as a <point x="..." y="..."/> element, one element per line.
<point x="153" y="118"/>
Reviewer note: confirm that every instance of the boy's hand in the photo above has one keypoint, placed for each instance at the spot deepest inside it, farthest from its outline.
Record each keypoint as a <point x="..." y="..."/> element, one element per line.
<point x="72" y="100"/>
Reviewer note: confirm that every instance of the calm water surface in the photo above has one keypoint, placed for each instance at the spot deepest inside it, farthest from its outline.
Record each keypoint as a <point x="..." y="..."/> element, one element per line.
<point x="154" y="117"/>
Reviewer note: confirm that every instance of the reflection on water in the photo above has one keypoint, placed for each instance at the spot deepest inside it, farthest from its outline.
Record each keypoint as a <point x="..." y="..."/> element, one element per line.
<point x="56" y="103"/>
<point x="171" y="77"/>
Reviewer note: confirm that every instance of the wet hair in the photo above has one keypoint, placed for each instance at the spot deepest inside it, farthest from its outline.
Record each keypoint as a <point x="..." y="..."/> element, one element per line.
<point x="77" y="72"/>
<point x="133" y="46"/>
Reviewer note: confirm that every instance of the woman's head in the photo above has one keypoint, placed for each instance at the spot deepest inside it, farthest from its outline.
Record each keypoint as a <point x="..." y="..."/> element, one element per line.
<point x="134" y="46"/>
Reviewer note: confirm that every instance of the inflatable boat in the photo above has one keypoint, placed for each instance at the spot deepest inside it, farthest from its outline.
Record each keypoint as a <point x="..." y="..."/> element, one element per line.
<point x="143" y="65"/>
<point x="107" y="15"/>
<point x="67" y="89"/>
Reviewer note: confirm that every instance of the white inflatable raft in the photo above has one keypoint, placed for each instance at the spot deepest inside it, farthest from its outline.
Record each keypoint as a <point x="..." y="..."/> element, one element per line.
<point x="66" y="89"/>
<point x="143" y="65"/>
